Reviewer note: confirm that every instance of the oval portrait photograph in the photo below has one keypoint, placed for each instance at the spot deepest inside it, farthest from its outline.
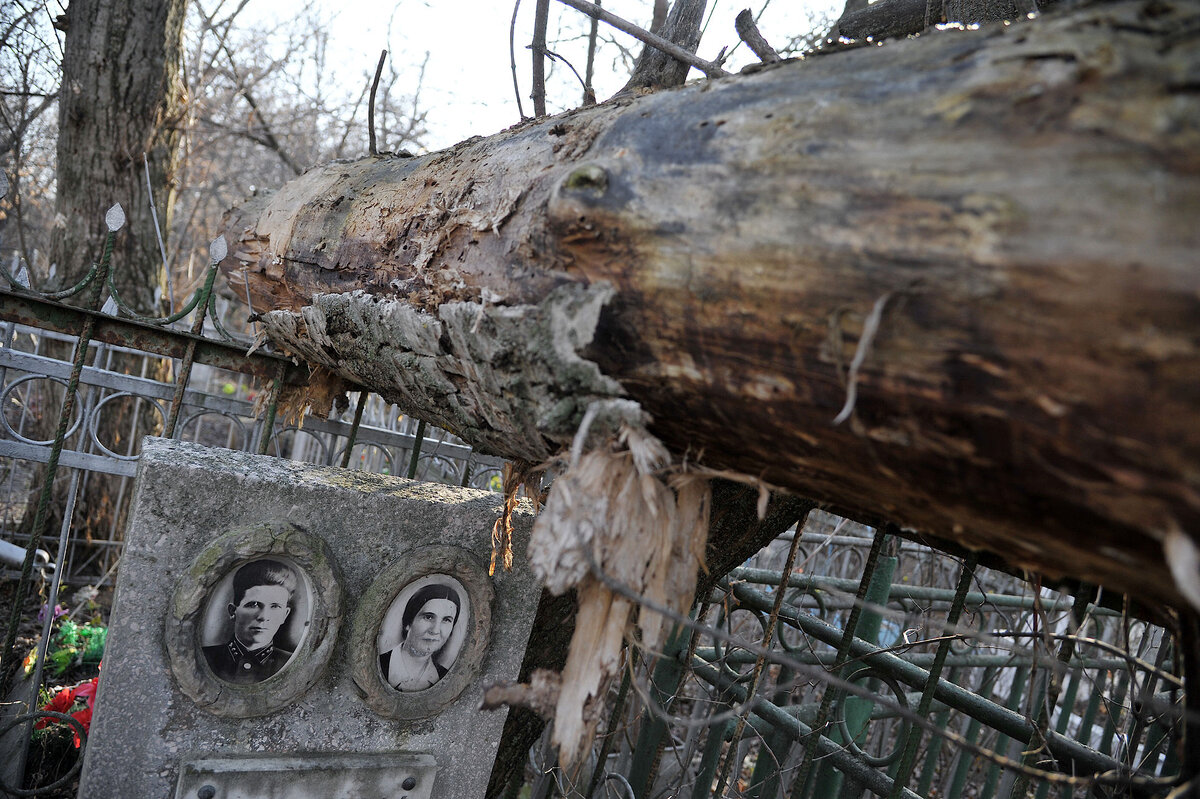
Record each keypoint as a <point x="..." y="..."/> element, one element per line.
<point x="255" y="620"/>
<point x="423" y="631"/>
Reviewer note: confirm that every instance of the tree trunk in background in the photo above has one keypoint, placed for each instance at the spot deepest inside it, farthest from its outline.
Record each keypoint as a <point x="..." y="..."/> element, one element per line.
<point x="120" y="111"/>
<point x="976" y="250"/>
<point x="121" y="101"/>
<point x="655" y="69"/>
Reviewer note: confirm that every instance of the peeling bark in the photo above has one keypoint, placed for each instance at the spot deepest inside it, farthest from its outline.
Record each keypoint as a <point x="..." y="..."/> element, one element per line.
<point x="506" y="378"/>
<point x="1012" y="211"/>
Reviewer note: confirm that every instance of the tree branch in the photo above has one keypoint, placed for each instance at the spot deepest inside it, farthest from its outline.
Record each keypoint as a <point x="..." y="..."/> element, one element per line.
<point x="540" y="14"/>
<point x="18" y="130"/>
<point x="371" y="105"/>
<point x="268" y="136"/>
<point x="512" y="56"/>
<point x="747" y="31"/>
<point x="670" y="48"/>
<point x="271" y="142"/>
<point x="589" y="95"/>
<point x="656" y="69"/>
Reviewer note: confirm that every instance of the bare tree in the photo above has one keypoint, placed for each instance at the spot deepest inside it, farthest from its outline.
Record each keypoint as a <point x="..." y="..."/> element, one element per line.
<point x="262" y="110"/>
<point x="259" y="109"/>
<point x="30" y="56"/>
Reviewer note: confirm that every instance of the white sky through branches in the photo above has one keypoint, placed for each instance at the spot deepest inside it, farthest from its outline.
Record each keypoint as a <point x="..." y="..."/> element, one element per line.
<point x="467" y="89"/>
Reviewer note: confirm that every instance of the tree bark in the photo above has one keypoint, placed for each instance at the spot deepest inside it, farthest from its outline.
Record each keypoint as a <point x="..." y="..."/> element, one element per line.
<point x="903" y="17"/>
<point x="119" y="130"/>
<point x="121" y="101"/>
<point x="654" y="68"/>
<point x="975" y="250"/>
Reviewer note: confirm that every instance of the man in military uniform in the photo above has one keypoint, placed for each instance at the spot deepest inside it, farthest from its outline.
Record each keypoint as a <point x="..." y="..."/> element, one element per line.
<point x="262" y="601"/>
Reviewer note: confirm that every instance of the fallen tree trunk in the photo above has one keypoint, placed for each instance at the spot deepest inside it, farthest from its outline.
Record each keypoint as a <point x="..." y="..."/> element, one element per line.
<point x="949" y="282"/>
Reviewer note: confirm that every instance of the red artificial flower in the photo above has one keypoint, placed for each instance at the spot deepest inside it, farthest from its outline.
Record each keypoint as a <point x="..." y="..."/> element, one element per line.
<point x="59" y="703"/>
<point x="64" y="699"/>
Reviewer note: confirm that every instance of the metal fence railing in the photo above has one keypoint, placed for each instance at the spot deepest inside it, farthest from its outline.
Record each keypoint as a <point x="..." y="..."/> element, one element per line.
<point x="97" y="376"/>
<point x="877" y="666"/>
<point x="217" y="409"/>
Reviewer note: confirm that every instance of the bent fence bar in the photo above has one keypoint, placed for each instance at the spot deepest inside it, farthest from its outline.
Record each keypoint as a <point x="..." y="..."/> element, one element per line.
<point x="885" y="687"/>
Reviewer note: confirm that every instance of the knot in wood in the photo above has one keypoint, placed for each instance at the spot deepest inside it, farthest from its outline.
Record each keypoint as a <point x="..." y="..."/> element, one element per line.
<point x="589" y="177"/>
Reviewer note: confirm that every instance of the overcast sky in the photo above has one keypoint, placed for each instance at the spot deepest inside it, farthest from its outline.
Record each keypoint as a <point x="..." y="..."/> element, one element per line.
<point x="468" y="87"/>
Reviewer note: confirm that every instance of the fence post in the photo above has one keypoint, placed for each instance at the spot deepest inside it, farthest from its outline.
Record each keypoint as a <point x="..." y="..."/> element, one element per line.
<point x="909" y="759"/>
<point x="115" y="220"/>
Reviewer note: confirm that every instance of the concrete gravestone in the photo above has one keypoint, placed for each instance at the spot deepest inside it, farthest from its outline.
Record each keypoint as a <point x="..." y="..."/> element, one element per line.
<point x="282" y="630"/>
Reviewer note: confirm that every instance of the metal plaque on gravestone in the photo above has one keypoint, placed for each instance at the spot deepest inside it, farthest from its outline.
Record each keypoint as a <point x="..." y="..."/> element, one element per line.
<point x="288" y="630"/>
<point x="400" y="775"/>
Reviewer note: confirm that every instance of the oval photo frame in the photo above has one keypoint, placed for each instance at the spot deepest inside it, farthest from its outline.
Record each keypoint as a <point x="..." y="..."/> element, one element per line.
<point x="385" y="602"/>
<point x="208" y="584"/>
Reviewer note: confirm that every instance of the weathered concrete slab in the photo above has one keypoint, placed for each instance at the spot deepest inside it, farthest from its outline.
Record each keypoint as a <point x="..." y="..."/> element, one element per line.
<point x="378" y="531"/>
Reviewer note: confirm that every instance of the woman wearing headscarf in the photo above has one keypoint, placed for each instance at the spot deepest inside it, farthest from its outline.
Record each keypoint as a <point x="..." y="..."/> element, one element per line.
<point x="426" y="625"/>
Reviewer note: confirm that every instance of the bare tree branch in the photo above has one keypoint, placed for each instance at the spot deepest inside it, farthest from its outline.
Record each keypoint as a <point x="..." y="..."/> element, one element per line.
<point x="512" y="56"/>
<point x="659" y="43"/>
<point x="747" y="31"/>
<point x="349" y="124"/>
<point x="371" y="105"/>
<point x="17" y="21"/>
<point x="542" y="11"/>
<point x="589" y="95"/>
<point x="17" y="132"/>
<point x="268" y="139"/>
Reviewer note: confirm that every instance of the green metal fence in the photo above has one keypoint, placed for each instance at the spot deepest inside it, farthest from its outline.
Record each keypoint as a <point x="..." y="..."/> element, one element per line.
<point x="803" y="681"/>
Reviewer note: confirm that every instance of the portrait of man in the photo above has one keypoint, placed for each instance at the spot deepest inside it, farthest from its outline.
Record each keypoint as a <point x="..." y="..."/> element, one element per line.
<point x="263" y="599"/>
<point x="418" y="648"/>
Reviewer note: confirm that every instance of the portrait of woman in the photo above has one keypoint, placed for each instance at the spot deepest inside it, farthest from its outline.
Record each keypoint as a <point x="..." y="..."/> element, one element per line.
<point x="255" y="620"/>
<point x="422" y="632"/>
